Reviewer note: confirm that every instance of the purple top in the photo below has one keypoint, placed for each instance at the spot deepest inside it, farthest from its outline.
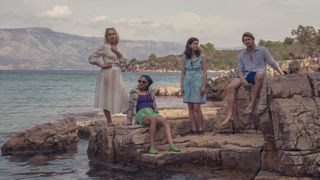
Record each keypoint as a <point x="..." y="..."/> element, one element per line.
<point x="144" y="101"/>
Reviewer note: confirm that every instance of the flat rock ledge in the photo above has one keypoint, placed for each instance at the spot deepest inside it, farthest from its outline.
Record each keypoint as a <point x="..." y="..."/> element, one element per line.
<point x="227" y="152"/>
<point x="208" y="150"/>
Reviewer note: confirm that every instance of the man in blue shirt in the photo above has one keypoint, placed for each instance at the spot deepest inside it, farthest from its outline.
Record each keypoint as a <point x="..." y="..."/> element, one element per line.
<point x="251" y="69"/>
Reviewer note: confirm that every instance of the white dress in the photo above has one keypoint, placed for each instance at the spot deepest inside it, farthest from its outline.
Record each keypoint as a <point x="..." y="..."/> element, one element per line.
<point x="110" y="90"/>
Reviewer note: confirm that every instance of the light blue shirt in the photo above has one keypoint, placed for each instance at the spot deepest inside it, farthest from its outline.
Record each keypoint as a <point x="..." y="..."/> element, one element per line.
<point x="258" y="63"/>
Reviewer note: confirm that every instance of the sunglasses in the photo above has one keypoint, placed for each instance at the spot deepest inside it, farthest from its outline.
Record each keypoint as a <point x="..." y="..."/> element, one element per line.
<point x="141" y="81"/>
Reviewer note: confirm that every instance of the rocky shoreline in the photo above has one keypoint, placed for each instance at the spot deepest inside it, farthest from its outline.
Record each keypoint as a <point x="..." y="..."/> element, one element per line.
<point x="280" y="140"/>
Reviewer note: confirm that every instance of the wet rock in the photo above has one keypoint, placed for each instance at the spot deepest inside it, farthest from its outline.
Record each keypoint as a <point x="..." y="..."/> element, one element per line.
<point x="268" y="175"/>
<point x="38" y="160"/>
<point x="89" y="127"/>
<point x="43" y="138"/>
<point x="243" y="158"/>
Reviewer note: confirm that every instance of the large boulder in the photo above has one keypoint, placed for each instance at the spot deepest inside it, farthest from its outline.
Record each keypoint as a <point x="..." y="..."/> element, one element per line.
<point x="289" y="117"/>
<point x="168" y="91"/>
<point x="299" y="66"/>
<point x="44" y="138"/>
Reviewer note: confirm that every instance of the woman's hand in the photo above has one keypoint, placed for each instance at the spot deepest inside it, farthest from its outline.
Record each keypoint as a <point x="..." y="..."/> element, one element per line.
<point x="202" y="91"/>
<point x="105" y="66"/>
<point x="115" y="49"/>
<point x="182" y="90"/>
<point x="244" y="82"/>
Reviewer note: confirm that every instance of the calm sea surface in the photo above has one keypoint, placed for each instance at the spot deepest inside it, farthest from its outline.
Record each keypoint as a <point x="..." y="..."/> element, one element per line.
<point x="28" y="98"/>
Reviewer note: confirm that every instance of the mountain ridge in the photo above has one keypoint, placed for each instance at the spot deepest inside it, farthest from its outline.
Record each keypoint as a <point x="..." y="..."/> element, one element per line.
<point x="42" y="48"/>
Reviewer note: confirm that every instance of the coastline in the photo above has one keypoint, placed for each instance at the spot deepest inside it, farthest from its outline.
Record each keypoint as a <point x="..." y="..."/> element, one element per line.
<point x="133" y="71"/>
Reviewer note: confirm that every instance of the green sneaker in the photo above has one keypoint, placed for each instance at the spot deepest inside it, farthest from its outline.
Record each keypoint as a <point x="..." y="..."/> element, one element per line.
<point x="153" y="150"/>
<point x="174" y="148"/>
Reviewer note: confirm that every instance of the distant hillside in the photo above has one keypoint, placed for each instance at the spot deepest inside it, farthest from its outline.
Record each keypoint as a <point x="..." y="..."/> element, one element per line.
<point x="42" y="48"/>
<point x="216" y="59"/>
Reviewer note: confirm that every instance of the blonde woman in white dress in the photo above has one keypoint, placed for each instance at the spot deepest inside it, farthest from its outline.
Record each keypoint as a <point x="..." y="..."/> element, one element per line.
<point x="111" y="95"/>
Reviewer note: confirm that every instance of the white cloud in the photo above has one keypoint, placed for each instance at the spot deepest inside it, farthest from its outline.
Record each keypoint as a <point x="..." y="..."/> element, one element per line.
<point x="194" y="22"/>
<point x="98" y="19"/>
<point x="58" y="11"/>
<point x="219" y="22"/>
<point x="175" y="27"/>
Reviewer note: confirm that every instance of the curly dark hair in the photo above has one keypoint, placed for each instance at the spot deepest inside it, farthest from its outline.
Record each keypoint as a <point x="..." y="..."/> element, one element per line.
<point x="188" y="51"/>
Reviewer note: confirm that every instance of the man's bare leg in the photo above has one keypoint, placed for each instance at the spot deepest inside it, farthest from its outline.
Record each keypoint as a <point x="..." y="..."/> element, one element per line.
<point x="231" y="95"/>
<point x="255" y="93"/>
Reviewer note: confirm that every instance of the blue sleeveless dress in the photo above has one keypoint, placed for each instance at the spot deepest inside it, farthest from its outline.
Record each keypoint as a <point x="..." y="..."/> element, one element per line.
<point x="193" y="81"/>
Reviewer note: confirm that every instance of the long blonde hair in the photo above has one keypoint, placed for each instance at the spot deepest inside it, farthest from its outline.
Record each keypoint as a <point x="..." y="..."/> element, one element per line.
<point x="106" y="35"/>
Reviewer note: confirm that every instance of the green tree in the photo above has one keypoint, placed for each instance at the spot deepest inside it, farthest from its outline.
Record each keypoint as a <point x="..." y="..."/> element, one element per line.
<point x="208" y="48"/>
<point x="134" y="61"/>
<point x="318" y="38"/>
<point x="152" y="57"/>
<point x="273" y="43"/>
<point x="307" y="37"/>
<point x="288" y="41"/>
<point x="262" y="42"/>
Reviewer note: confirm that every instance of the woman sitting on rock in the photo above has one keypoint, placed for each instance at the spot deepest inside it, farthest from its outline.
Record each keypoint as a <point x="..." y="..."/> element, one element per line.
<point x="143" y="109"/>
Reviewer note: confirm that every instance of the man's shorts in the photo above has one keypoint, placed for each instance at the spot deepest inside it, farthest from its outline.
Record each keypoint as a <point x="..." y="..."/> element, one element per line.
<point x="251" y="77"/>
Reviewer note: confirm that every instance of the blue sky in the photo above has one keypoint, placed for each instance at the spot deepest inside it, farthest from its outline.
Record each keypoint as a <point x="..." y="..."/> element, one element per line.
<point x="220" y="22"/>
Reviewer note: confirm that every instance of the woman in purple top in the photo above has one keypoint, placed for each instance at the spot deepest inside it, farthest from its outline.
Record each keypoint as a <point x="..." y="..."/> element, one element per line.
<point x="143" y="109"/>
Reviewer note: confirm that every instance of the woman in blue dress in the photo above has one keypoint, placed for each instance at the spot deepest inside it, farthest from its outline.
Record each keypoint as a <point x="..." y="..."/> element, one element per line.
<point x="193" y="83"/>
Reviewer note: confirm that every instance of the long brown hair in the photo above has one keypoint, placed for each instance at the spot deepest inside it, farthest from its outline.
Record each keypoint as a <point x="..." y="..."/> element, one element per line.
<point x="106" y="35"/>
<point x="188" y="51"/>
